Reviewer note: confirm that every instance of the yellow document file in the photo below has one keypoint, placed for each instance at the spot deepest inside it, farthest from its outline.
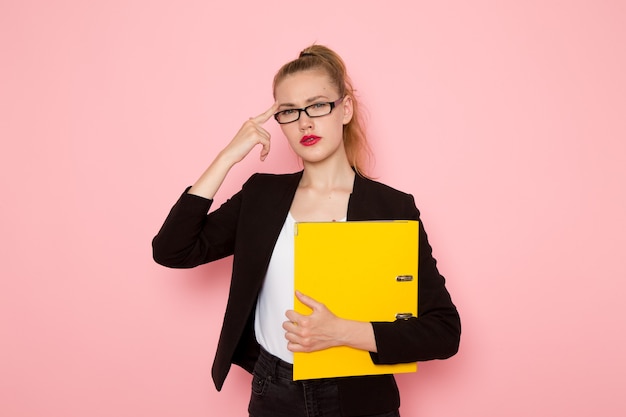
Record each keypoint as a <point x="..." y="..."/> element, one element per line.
<point x="363" y="271"/>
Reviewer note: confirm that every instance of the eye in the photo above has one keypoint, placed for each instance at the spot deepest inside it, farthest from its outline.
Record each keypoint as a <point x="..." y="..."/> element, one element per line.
<point x="288" y="112"/>
<point x="318" y="105"/>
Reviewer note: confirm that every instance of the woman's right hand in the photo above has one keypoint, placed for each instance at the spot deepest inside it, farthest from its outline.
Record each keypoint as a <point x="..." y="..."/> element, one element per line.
<point x="251" y="134"/>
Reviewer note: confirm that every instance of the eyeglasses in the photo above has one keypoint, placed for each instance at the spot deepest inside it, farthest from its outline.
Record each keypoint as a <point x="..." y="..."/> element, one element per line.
<point x="314" y="110"/>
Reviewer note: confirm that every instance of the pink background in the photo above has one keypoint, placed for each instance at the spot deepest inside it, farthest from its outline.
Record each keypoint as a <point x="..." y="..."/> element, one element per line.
<point x="505" y="119"/>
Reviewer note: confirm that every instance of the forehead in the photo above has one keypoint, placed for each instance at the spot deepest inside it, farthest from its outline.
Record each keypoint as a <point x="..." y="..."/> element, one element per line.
<point x="297" y="88"/>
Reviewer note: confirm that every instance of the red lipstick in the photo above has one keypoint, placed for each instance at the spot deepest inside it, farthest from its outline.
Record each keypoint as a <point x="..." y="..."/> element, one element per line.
<point x="309" y="140"/>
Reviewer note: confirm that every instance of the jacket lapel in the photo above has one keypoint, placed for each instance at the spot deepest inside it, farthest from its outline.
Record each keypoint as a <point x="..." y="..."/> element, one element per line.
<point x="264" y="214"/>
<point x="358" y="209"/>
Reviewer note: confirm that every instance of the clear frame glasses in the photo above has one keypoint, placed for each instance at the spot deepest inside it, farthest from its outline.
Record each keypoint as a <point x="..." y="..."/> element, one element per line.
<point x="314" y="110"/>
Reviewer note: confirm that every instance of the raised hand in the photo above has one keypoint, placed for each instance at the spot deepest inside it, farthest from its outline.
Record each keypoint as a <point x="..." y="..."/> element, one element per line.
<point x="250" y="134"/>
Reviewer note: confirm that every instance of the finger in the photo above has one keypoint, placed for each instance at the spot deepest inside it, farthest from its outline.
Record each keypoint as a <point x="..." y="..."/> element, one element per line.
<point x="291" y="337"/>
<point x="308" y="301"/>
<point x="265" y="150"/>
<point x="265" y="116"/>
<point x="293" y="316"/>
<point x="297" y="347"/>
<point x="294" y="347"/>
<point x="266" y="144"/>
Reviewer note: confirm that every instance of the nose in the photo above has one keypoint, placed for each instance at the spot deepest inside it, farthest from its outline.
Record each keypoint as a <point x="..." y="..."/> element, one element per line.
<point x="305" y="122"/>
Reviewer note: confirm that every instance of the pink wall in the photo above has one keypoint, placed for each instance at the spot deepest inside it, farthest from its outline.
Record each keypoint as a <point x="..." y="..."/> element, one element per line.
<point x="506" y="120"/>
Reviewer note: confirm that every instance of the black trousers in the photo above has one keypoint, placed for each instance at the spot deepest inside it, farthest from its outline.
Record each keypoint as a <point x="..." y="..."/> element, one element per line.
<point x="275" y="394"/>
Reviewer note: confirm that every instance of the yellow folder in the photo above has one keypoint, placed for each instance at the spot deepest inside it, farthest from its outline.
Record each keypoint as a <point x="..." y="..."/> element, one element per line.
<point x="365" y="271"/>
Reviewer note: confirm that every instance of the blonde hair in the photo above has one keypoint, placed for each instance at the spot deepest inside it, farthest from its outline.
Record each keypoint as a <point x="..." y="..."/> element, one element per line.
<point x="319" y="57"/>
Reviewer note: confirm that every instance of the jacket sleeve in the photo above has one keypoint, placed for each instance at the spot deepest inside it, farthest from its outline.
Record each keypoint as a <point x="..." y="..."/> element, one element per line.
<point x="435" y="333"/>
<point x="190" y="237"/>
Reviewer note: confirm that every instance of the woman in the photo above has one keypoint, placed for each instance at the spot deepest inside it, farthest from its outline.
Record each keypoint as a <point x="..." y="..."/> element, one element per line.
<point x="317" y="110"/>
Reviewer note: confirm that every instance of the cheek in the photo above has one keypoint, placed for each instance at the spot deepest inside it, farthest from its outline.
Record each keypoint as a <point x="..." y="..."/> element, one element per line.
<point x="291" y="131"/>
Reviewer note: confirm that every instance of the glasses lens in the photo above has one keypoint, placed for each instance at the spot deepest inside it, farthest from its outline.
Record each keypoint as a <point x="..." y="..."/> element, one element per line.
<point x="318" y="109"/>
<point x="287" y="116"/>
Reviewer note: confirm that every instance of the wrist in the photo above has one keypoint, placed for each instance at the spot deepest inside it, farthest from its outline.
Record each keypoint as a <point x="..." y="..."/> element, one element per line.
<point x="357" y="334"/>
<point x="224" y="160"/>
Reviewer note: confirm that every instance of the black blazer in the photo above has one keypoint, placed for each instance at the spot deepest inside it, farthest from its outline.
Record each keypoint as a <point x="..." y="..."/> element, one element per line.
<point x="247" y="226"/>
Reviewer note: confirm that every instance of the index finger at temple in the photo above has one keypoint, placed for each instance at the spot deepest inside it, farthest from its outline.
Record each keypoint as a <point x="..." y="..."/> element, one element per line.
<point x="265" y="116"/>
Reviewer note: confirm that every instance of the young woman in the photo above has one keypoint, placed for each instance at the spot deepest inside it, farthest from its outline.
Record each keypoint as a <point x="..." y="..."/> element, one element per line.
<point x="318" y="112"/>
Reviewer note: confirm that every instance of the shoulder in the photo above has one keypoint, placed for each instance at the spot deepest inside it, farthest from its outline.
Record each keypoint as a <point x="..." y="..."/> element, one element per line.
<point x="271" y="183"/>
<point x="262" y="185"/>
<point x="269" y="180"/>
<point x="373" y="199"/>
<point x="368" y="185"/>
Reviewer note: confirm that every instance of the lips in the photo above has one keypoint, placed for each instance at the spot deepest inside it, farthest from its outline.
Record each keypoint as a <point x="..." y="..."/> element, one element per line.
<point x="309" y="140"/>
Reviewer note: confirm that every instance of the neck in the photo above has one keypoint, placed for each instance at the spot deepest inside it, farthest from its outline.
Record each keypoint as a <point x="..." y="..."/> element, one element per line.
<point x="328" y="175"/>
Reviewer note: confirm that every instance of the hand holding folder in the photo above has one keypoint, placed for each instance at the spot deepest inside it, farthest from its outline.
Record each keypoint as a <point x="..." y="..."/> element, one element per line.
<point x="364" y="271"/>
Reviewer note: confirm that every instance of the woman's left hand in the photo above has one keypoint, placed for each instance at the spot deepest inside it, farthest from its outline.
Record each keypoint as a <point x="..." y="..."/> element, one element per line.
<point x="322" y="329"/>
<point x="309" y="333"/>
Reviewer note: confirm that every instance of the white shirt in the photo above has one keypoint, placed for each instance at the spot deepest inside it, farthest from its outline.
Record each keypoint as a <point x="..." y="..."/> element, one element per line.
<point x="276" y="296"/>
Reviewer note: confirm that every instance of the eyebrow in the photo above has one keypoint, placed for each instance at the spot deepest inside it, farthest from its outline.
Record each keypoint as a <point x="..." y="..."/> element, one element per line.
<point x="308" y="101"/>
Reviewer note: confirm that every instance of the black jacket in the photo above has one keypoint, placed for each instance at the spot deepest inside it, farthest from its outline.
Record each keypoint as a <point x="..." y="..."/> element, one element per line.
<point x="247" y="226"/>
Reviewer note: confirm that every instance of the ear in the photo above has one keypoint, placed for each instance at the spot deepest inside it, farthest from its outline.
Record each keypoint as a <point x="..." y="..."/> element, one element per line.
<point x="348" y="109"/>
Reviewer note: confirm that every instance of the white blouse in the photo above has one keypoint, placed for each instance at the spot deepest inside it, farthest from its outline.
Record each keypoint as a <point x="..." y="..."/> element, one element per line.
<point x="276" y="296"/>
